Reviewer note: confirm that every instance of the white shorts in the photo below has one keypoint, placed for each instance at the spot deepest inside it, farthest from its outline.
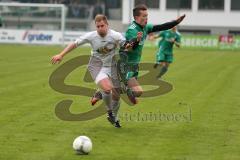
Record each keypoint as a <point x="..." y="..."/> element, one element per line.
<point x="105" y="72"/>
<point x="99" y="72"/>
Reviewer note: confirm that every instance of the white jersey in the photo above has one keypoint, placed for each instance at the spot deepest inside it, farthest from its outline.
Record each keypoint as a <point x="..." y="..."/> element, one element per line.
<point x="103" y="48"/>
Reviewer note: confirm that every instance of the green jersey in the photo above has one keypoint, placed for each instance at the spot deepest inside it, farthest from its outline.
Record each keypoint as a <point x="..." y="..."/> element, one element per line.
<point x="165" y="44"/>
<point x="134" y="56"/>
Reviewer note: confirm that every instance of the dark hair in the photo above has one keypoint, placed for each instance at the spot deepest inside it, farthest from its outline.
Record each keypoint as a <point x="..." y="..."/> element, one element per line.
<point x="138" y="8"/>
<point x="101" y="17"/>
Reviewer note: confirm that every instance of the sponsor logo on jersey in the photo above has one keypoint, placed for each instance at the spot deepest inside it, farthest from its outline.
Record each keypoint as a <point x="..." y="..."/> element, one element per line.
<point x="107" y="48"/>
<point x="133" y="26"/>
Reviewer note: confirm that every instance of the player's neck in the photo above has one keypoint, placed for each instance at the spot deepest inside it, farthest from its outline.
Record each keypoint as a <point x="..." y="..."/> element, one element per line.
<point x="138" y="24"/>
<point x="103" y="35"/>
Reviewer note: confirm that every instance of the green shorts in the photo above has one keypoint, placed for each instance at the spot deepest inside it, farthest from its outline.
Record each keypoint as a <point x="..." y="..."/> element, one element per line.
<point x="163" y="57"/>
<point x="127" y="71"/>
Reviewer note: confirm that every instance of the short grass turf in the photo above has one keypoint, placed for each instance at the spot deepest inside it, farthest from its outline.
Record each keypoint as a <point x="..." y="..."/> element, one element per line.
<point x="200" y="116"/>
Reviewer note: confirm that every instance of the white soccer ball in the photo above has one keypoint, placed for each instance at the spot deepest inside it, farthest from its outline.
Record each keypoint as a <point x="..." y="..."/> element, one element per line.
<point x="82" y="145"/>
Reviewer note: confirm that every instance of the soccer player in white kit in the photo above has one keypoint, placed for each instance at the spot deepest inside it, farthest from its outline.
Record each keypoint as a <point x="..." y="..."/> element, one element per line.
<point x="102" y="65"/>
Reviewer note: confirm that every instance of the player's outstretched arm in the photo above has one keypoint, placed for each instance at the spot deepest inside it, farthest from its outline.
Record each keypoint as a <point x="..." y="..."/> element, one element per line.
<point x="168" y="25"/>
<point x="156" y="36"/>
<point x="57" y="58"/>
<point x="180" y="19"/>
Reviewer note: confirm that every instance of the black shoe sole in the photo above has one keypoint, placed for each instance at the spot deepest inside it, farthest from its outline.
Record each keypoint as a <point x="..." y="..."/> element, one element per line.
<point x="117" y="125"/>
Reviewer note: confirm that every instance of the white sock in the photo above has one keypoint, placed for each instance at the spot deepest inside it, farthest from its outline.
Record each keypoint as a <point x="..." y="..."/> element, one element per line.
<point x="107" y="98"/>
<point x="115" y="107"/>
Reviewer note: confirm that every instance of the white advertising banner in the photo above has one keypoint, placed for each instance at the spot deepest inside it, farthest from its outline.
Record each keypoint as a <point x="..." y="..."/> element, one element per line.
<point x="37" y="36"/>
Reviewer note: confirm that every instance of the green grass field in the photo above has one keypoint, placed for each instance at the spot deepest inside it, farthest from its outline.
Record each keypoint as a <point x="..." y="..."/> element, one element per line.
<point x="205" y="100"/>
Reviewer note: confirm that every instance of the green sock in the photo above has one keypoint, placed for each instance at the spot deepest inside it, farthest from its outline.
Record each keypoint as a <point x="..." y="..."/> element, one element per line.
<point x="163" y="70"/>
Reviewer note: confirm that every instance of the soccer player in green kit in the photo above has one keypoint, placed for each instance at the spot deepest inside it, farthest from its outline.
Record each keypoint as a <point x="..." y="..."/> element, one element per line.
<point x="130" y="60"/>
<point x="164" y="55"/>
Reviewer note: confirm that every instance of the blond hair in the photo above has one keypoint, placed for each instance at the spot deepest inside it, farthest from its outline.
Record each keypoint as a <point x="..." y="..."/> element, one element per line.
<point x="101" y="17"/>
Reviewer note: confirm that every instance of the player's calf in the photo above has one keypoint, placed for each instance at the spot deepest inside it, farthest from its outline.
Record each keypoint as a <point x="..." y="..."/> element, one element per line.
<point x="96" y="97"/>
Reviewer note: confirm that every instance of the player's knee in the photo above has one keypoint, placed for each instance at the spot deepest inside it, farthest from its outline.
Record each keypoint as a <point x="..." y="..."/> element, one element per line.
<point x="107" y="90"/>
<point x="164" y="64"/>
<point x="138" y="92"/>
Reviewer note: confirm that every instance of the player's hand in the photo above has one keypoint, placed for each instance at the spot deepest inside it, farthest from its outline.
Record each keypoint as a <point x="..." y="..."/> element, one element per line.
<point x="56" y="59"/>
<point x="172" y="40"/>
<point x="151" y="37"/>
<point x="139" y="36"/>
<point x="179" y="19"/>
<point x="129" y="46"/>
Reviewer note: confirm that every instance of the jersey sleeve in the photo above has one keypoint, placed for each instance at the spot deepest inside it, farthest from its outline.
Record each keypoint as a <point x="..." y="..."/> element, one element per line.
<point x="131" y="33"/>
<point x="83" y="39"/>
<point x="161" y="34"/>
<point x="178" y="38"/>
<point x="120" y="38"/>
<point x="149" y="28"/>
